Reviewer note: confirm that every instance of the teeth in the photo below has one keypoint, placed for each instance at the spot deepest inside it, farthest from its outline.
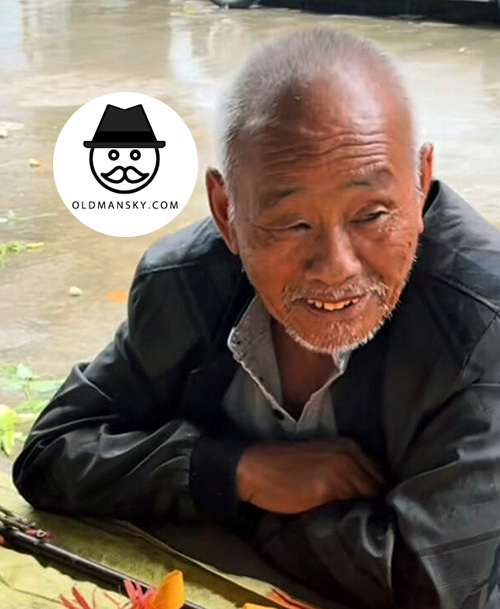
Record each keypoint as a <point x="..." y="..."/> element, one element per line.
<point x="332" y="306"/>
<point x="329" y="306"/>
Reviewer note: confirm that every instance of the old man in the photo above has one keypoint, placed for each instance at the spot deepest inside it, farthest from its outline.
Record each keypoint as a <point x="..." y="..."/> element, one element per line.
<point x="317" y="365"/>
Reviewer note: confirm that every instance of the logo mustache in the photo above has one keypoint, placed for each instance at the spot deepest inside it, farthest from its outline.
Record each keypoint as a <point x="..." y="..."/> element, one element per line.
<point x="129" y="174"/>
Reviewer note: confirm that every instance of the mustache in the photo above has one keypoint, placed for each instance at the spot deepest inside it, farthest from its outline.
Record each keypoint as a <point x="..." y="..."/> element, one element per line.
<point x="134" y="177"/>
<point x="350" y="289"/>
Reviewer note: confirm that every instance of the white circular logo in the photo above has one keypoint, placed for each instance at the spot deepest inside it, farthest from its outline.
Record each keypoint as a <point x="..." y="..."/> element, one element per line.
<point x="125" y="164"/>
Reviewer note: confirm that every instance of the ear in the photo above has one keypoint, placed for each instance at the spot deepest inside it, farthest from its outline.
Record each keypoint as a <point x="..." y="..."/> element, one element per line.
<point x="426" y="156"/>
<point x="218" y="200"/>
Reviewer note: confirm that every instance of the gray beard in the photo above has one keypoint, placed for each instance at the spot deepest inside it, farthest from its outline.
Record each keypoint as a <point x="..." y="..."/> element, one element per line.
<point x="338" y="352"/>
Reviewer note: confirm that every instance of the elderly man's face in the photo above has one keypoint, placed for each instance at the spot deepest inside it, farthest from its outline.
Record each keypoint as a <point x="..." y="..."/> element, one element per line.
<point x="328" y="217"/>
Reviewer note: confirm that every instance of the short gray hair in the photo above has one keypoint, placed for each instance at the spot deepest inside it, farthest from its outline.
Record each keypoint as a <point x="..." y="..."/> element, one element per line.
<point x="249" y="104"/>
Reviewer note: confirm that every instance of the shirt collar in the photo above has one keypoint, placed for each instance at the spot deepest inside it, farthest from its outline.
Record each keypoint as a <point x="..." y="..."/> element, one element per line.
<point x="251" y="337"/>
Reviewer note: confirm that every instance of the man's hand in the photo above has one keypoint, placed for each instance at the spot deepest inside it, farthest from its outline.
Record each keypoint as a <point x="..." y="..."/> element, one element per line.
<point x="296" y="477"/>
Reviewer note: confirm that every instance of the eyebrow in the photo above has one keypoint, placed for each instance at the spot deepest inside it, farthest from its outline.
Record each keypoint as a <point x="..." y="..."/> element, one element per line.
<point x="271" y="198"/>
<point x="372" y="179"/>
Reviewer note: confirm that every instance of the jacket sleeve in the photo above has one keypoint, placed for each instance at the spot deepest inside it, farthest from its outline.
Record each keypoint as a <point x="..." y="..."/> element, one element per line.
<point x="433" y="540"/>
<point x="110" y="442"/>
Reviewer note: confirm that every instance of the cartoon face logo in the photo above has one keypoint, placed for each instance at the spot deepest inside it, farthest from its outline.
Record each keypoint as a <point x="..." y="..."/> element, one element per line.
<point x="124" y="153"/>
<point x="124" y="169"/>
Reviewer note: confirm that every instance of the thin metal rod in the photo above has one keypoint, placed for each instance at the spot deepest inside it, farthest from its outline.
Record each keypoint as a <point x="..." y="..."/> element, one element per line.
<point x="44" y="549"/>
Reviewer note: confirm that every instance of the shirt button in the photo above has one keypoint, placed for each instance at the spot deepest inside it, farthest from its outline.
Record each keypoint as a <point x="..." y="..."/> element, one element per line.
<point x="278" y="414"/>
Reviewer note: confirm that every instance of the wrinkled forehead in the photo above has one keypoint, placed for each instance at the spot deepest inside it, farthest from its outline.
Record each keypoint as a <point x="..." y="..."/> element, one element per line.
<point x="336" y="157"/>
<point x="344" y="127"/>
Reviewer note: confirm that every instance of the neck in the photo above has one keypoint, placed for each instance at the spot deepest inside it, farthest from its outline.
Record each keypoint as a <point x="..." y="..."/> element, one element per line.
<point x="301" y="371"/>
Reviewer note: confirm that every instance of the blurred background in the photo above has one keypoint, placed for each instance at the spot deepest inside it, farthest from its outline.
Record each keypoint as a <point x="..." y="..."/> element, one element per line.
<point x="63" y="287"/>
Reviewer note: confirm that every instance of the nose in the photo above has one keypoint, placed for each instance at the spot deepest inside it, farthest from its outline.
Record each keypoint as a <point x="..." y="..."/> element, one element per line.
<point x="333" y="258"/>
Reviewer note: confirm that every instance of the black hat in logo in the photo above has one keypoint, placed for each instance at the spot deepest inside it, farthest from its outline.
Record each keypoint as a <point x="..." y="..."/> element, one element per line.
<point x="124" y="128"/>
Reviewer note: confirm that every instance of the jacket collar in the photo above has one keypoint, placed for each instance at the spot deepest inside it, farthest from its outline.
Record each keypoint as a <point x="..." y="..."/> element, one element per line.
<point x="210" y="380"/>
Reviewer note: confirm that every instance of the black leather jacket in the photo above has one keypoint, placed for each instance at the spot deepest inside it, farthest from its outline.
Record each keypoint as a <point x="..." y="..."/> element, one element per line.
<point x="140" y="432"/>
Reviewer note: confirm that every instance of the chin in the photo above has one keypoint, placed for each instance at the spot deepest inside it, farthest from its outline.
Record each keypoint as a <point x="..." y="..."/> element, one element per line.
<point x="335" y="345"/>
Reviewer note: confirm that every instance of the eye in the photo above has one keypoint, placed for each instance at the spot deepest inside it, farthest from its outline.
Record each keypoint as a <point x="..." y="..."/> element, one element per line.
<point x="299" y="227"/>
<point x="113" y="154"/>
<point x="369" y="218"/>
<point x="135" y="155"/>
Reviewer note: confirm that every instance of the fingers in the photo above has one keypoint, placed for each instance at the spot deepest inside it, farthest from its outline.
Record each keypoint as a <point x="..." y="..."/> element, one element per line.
<point x="323" y="471"/>
<point x="351" y="474"/>
<point x="356" y="482"/>
<point x="366" y="486"/>
<point x="364" y="461"/>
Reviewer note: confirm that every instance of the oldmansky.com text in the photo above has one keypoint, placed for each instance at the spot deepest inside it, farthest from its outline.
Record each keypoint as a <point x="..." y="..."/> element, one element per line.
<point x="125" y="205"/>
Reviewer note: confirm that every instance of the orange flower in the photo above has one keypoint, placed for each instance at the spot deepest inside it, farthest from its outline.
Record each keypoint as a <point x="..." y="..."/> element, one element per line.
<point x="168" y="595"/>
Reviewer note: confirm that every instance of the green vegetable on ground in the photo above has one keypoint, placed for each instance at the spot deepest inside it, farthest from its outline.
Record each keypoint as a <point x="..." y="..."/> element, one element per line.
<point x="15" y="419"/>
<point x="17" y="246"/>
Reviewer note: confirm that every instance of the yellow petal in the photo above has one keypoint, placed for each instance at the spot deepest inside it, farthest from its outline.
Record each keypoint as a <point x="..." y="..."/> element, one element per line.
<point x="170" y="593"/>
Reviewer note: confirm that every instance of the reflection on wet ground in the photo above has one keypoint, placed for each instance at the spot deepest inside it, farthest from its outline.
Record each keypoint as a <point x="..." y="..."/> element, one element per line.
<point x="57" y="55"/>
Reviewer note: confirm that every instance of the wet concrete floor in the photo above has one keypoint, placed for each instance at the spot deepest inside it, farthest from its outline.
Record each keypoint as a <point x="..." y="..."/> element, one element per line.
<point x="57" y="55"/>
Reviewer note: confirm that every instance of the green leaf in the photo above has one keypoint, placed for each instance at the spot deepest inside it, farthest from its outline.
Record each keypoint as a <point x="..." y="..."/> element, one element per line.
<point x="14" y="247"/>
<point x="41" y="386"/>
<point x="32" y="405"/>
<point x="8" y="420"/>
<point x="23" y="372"/>
<point x="17" y="246"/>
<point x="11" y="384"/>
<point x="25" y="417"/>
